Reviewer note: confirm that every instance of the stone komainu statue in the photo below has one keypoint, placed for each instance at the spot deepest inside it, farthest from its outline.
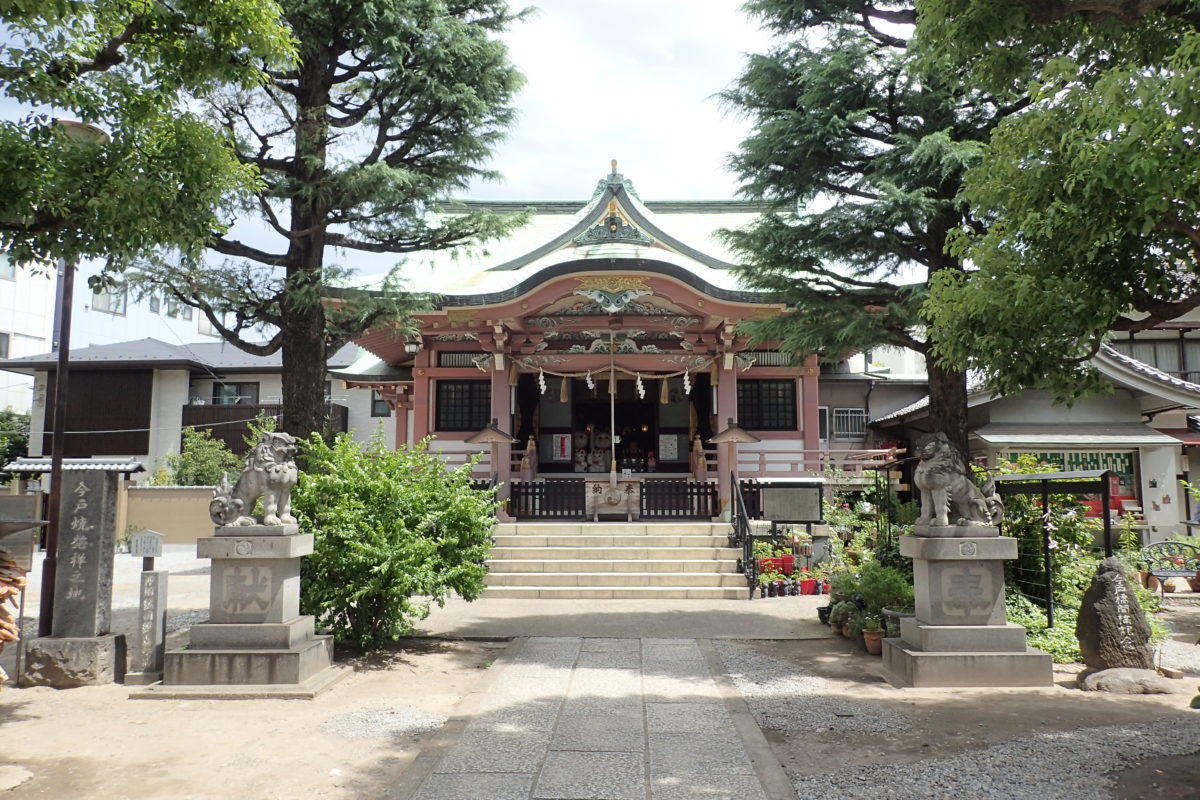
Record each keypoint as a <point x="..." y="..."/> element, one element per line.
<point x="949" y="495"/>
<point x="270" y="473"/>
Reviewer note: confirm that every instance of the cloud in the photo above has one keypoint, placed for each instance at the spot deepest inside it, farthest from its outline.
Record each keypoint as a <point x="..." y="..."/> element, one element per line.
<point x="635" y="81"/>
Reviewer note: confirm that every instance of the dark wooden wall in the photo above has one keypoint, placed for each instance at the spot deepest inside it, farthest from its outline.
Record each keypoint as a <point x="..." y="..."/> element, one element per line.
<point x="109" y="400"/>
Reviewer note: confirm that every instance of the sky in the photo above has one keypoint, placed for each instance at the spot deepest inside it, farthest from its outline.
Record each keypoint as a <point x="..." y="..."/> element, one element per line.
<point x="634" y="80"/>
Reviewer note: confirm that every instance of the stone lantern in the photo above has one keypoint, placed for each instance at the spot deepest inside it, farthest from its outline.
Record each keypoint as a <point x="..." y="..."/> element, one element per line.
<point x="731" y="437"/>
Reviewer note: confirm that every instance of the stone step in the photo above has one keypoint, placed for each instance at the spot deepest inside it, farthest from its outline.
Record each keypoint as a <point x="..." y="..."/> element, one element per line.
<point x="614" y="553"/>
<point x="613" y="528"/>
<point x="534" y="565"/>
<point x="617" y="592"/>
<point x="610" y="540"/>
<point x="641" y="579"/>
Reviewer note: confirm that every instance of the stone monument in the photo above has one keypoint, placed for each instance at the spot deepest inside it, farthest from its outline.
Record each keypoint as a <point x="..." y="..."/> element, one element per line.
<point x="81" y="650"/>
<point x="255" y="641"/>
<point x="959" y="635"/>
<point x="1114" y="637"/>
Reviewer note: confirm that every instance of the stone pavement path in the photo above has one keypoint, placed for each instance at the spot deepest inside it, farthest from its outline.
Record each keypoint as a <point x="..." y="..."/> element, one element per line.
<point x="567" y="718"/>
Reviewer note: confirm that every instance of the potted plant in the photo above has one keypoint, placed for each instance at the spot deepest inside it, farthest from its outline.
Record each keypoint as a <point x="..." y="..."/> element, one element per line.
<point x="872" y="632"/>
<point x="839" y="614"/>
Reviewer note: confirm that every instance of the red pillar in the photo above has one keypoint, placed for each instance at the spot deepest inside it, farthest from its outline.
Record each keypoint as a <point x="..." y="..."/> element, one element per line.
<point x="423" y="398"/>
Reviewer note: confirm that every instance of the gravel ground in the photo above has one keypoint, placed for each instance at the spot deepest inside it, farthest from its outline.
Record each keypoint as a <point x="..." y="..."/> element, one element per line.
<point x="1049" y="766"/>
<point x="383" y="723"/>
<point x="783" y="697"/>
<point x="1059" y="765"/>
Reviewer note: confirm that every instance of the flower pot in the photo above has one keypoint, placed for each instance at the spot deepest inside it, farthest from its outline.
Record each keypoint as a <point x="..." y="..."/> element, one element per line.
<point x="846" y="631"/>
<point x="1194" y="584"/>
<point x="808" y="586"/>
<point x="1169" y="585"/>
<point x="786" y="564"/>
<point x="823" y="614"/>
<point x="873" y="641"/>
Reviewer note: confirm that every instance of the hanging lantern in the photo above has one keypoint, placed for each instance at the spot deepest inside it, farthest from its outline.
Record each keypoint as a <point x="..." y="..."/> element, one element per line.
<point x="641" y="390"/>
<point x="591" y="384"/>
<point x="542" y="381"/>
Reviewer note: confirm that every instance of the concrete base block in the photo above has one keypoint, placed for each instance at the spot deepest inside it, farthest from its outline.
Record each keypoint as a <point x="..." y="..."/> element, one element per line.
<point x="246" y="666"/>
<point x="1006" y="638"/>
<point x="261" y="636"/>
<point x="305" y="690"/>
<point x="67" y="662"/>
<point x="907" y="667"/>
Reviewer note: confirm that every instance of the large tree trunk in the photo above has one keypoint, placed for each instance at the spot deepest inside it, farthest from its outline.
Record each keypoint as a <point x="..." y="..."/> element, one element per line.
<point x="303" y="315"/>
<point x="304" y="372"/>
<point x="948" y="404"/>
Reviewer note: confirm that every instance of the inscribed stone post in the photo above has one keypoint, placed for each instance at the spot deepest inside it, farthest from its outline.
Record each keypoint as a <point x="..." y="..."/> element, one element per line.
<point x="86" y="543"/>
<point x="152" y="629"/>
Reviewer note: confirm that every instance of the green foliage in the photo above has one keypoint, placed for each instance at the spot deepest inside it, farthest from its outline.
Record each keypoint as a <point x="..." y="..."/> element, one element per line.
<point x="14" y="439"/>
<point x="127" y="66"/>
<point x="1091" y="193"/>
<point x="1059" y="641"/>
<point x="1072" y="534"/>
<point x="881" y="587"/>
<point x="393" y="106"/>
<point x="395" y="531"/>
<point x="201" y="461"/>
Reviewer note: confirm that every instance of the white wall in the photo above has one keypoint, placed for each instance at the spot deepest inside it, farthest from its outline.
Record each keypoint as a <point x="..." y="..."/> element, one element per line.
<point x="89" y="326"/>
<point x="1032" y="407"/>
<point x="27" y="316"/>
<point x="170" y="394"/>
<point x="1162" y="504"/>
<point x="361" y="424"/>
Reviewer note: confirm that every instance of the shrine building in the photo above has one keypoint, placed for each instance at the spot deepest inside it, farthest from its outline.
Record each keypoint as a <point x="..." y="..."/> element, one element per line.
<point x="594" y="360"/>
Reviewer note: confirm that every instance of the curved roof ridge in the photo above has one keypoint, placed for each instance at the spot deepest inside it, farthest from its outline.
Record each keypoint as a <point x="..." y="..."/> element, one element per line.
<point x="1108" y="352"/>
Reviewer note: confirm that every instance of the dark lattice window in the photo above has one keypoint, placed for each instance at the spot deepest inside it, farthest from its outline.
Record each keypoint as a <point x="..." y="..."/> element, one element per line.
<point x="463" y="405"/>
<point x="767" y="405"/>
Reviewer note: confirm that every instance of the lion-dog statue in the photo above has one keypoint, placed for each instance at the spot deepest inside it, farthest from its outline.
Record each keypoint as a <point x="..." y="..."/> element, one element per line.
<point x="948" y="491"/>
<point x="270" y="473"/>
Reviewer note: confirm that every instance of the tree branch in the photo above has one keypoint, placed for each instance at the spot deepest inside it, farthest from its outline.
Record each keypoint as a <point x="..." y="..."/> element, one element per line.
<point x="231" y="247"/>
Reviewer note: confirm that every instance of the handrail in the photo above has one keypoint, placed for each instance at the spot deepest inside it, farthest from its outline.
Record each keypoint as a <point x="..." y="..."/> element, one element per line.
<point x="740" y="535"/>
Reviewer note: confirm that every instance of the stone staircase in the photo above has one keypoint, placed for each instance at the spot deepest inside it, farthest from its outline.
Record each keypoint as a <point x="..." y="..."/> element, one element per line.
<point x="603" y="560"/>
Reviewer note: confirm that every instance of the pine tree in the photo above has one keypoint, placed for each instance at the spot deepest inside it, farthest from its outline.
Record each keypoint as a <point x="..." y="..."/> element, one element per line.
<point x="392" y="105"/>
<point x="859" y="153"/>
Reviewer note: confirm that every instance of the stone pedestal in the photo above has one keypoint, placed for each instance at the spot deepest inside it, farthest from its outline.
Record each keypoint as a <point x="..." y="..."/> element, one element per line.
<point x="960" y="636"/>
<point x="255" y="643"/>
<point x="65" y="662"/>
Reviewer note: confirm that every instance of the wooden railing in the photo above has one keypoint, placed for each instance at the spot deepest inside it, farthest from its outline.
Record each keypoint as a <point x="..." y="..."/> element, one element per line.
<point x="678" y="498"/>
<point x="801" y="463"/>
<point x="551" y="498"/>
